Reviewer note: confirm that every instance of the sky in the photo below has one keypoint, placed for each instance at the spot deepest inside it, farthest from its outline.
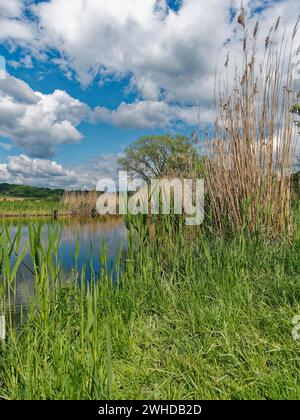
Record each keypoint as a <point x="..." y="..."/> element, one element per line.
<point x="86" y="78"/>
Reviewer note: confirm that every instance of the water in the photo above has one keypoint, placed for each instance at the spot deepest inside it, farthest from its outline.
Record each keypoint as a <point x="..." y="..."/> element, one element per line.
<point x="92" y="234"/>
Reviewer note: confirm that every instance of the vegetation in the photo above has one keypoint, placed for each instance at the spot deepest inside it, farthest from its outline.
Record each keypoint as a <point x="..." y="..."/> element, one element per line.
<point x="22" y="201"/>
<point x="188" y="313"/>
<point x="80" y="202"/>
<point x="190" y="316"/>
<point x="70" y="203"/>
<point x="252" y="155"/>
<point x="24" y="191"/>
<point x="31" y="207"/>
<point x="161" y="156"/>
<point x="296" y="110"/>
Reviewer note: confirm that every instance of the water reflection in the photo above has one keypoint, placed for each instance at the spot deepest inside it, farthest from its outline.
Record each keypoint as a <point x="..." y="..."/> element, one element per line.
<point x="91" y="233"/>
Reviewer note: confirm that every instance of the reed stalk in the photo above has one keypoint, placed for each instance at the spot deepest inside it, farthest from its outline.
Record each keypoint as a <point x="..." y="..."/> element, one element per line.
<point x="251" y="158"/>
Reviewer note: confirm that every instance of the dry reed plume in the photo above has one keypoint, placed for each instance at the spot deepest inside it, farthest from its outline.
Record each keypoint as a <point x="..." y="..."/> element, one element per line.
<point x="81" y="202"/>
<point x="251" y="158"/>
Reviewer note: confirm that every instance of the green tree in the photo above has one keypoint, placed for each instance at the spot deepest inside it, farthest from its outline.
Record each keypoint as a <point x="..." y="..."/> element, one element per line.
<point x="296" y="110"/>
<point x="161" y="156"/>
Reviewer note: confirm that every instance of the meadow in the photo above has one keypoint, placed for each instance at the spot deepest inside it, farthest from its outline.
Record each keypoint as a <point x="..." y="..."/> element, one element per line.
<point x="203" y="312"/>
<point x="30" y="207"/>
<point x="68" y="203"/>
<point x="207" y="318"/>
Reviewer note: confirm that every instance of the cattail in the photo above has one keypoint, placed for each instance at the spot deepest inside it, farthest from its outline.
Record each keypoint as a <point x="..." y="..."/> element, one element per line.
<point x="277" y="23"/>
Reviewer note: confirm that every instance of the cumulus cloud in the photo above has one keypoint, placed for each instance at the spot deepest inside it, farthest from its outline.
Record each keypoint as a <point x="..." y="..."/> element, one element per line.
<point x="11" y="9"/>
<point x="162" y="49"/>
<point x="24" y="170"/>
<point x="36" y="122"/>
<point x="40" y="172"/>
<point x="13" y="23"/>
<point x="168" y="53"/>
<point x="152" y="114"/>
<point x="39" y="123"/>
<point x="171" y="55"/>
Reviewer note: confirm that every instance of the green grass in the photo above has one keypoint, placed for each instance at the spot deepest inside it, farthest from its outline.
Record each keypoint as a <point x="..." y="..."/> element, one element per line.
<point x="190" y="317"/>
<point x="30" y="207"/>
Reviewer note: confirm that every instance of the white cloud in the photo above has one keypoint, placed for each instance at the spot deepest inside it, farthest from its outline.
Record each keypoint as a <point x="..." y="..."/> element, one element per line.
<point x="6" y="146"/>
<point x="170" y="56"/>
<point x="11" y="8"/>
<point x="173" y="54"/>
<point x="27" y="167"/>
<point x="152" y="114"/>
<point x="4" y="174"/>
<point x="36" y="122"/>
<point x="39" y="123"/>
<point x="17" y="90"/>
<point x="13" y="24"/>
<point x="38" y="172"/>
<point x="25" y="62"/>
<point x="44" y="172"/>
<point x="162" y="49"/>
<point x="104" y="165"/>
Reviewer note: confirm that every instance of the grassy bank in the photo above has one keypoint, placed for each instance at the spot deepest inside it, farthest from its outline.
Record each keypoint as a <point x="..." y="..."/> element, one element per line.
<point x="72" y="203"/>
<point x="30" y="207"/>
<point x="191" y="316"/>
<point x="191" y="313"/>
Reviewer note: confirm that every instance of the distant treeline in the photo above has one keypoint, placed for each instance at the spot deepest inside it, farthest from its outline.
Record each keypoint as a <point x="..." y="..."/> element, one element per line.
<point x="24" y="191"/>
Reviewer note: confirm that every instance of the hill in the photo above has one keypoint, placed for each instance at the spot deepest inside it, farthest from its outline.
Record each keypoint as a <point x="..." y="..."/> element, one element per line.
<point x="24" y="191"/>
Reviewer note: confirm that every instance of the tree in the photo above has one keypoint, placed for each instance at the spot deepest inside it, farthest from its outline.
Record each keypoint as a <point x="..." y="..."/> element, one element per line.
<point x="296" y="110"/>
<point x="160" y="156"/>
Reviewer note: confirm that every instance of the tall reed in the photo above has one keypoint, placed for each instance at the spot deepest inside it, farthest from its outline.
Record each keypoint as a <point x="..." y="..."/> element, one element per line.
<point x="251" y="157"/>
<point x="209" y="320"/>
<point x="80" y="202"/>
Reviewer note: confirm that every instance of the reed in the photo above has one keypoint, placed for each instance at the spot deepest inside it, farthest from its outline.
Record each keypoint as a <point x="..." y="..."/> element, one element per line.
<point x="209" y="319"/>
<point x="185" y="314"/>
<point x="80" y="202"/>
<point x="30" y="207"/>
<point x="251" y="159"/>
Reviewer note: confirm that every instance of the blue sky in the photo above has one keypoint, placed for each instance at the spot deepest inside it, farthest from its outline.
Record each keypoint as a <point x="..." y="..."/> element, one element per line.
<point x="87" y="78"/>
<point x="98" y="138"/>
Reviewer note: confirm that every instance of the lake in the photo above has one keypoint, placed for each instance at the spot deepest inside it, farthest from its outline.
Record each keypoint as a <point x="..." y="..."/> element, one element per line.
<point x="92" y="234"/>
